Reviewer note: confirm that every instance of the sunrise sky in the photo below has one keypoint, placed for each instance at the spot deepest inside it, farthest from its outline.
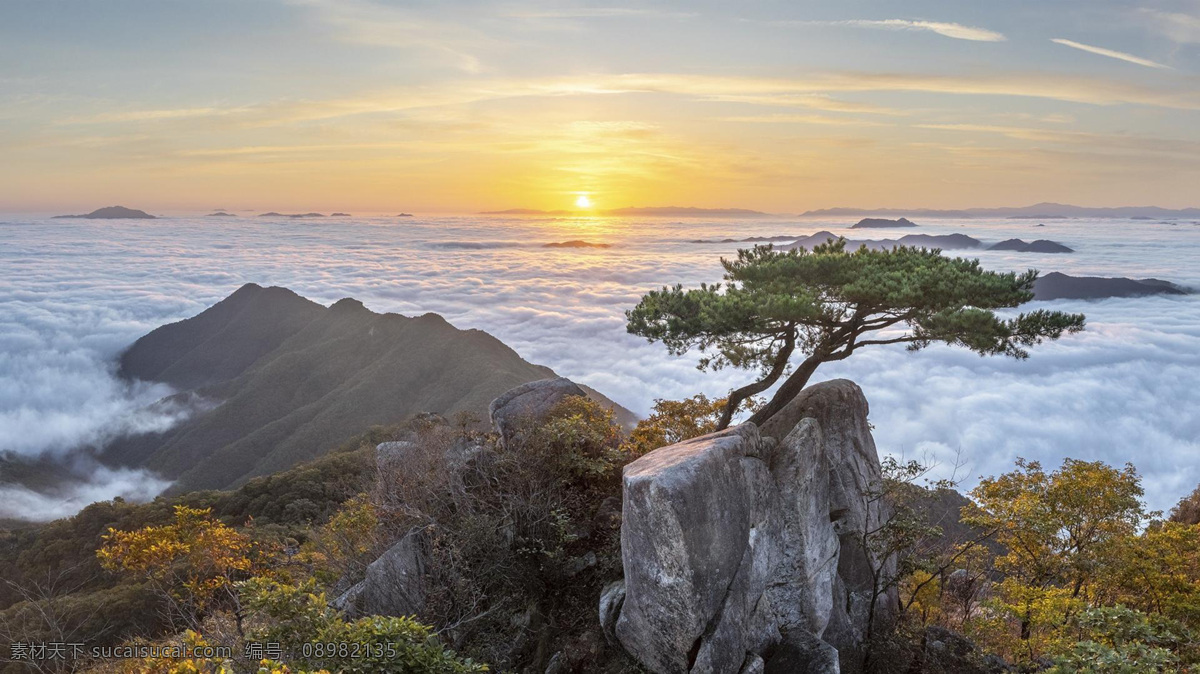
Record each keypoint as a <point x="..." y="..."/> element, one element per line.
<point x="462" y="106"/>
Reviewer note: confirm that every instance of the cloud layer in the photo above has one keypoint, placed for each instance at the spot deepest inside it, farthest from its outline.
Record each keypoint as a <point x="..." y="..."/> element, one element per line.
<point x="79" y="291"/>
<point x="103" y="484"/>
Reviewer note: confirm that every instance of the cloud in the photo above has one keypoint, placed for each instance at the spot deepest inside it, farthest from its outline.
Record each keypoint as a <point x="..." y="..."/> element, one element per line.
<point x="1124" y="390"/>
<point x="150" y="115"/>
<point x="1120" y="55"/>
<point x="399" y="26"/>
<point x="59" y="392"/>
<point x="1178" y="27"/>
<point x="821" y="120"/>
<point x="954" y="30"/>
<point x="811" y="101"/>
<point x="1072" y="89"/>
<point x="104" y="484"/>
<point x="1145" y="145"/>
<point x="599" y="13"/>
<point x="429" y="112"/>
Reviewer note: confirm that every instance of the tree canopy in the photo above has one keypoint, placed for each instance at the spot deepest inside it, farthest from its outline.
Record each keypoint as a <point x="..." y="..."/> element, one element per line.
<point x="828" y="302"/>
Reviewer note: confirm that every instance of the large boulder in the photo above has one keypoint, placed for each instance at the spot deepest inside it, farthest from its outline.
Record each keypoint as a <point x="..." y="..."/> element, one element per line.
<point x="748" y="545"/>
<point x="394" y="584"/>
<point x="946" y="652"/>
<point x="529" y="403"/>
<point x="393" y="454"/>
<point x="697" y="540"/>
<point x="840" y="410"/>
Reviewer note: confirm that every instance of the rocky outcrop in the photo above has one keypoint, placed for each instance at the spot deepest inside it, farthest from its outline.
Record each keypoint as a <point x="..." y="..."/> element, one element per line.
<point x="394" y="584"/>
<point x="696" y="548"/>
<point x="748" y="544"/>
<point x="529" y="403"/>
<point x="390" y="455"/>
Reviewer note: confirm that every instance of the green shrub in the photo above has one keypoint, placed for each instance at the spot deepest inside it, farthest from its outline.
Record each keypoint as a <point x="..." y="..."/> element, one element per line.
<point x="299" y="619"/>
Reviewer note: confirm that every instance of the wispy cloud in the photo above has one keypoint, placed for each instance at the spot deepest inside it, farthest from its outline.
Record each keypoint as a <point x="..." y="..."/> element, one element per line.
<point x="598" y="13"/>
<point x="810" y="101"/>
<point x="1111" y="53"/>
<point x="370" y="23"/>
<point x="1094" y="91"/>
<point x="150" y="115"/>
<point x="1142" y="145"/>
<point x="954" y="30"/>
<point x="1178" y="27"/>
<point x="801" y="119"/>
<point x="814" y="91"/>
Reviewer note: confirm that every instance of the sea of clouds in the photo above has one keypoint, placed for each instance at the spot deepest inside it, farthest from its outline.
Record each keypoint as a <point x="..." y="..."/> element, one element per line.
<point x="74" y="293"/>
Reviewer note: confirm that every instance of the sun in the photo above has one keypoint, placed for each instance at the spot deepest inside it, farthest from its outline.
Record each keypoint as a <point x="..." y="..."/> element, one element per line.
<point x="583" y="201"/>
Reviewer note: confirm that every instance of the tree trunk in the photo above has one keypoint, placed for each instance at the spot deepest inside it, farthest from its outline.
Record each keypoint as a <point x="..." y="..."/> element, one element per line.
<point x="736" y="396"/>
<point x="792" y="386"/>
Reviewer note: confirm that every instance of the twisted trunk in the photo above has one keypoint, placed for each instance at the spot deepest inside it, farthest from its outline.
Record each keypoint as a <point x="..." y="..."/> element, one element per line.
<point x="792" y="386"/>
<point x="737" y="396"/>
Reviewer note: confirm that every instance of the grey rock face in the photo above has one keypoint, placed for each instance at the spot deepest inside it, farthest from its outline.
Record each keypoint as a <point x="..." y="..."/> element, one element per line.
<point x="611" y="600"/>
<point x="694" y="553"/>
<point x="394" y="584"/>
<point x="735" y="539"/>
<point x="803" y="653"/>
<point x="529" y="403"/>
<point x="753" y="665"/>
<point x="392" y="454"/>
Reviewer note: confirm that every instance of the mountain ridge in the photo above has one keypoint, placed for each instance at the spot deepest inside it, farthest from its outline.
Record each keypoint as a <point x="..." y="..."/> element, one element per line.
<point x="1048" y="210"/>
<point x="286" y="379"/>
<point x="111" y="213"/>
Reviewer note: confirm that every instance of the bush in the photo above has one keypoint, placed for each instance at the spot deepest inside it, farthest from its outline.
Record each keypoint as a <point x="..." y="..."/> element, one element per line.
<point x="523" y="536"/>
<point x="299" y="619"/>
<point x="1119" y="640"/>
<point x="673" y="421"/>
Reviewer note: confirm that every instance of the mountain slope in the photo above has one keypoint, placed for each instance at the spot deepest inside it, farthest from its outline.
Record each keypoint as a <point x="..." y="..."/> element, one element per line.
<point x="290" y="379"/>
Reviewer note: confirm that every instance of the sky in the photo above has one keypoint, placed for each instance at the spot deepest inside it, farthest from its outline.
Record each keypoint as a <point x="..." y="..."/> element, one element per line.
<point x="458" y="106"/>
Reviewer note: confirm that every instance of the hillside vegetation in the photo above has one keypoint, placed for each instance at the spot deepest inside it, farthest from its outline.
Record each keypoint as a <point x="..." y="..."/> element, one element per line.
<point x="1040" y="569"/>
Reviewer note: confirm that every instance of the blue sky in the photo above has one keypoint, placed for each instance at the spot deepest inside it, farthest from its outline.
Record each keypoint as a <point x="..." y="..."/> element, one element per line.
<point x="457" y="106"/>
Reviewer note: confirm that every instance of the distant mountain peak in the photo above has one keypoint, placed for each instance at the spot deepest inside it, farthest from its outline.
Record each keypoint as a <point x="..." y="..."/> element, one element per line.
<point x="112" y="213"/>
<point x="348" y="304"/>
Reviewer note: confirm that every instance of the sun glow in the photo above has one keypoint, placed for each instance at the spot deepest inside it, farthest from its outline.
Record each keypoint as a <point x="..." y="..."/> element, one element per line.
<point x="583" y="201"/>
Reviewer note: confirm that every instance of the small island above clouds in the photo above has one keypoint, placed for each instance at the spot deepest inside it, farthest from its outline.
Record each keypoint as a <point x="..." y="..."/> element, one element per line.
<point x="112" y="213"/>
